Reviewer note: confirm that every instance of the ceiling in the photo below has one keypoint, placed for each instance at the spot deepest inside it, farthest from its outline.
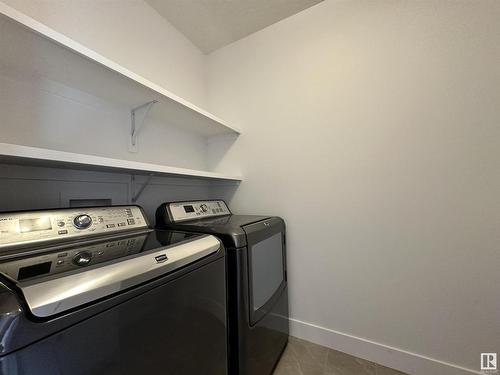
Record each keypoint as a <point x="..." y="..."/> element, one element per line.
<point x="211" y="24"/>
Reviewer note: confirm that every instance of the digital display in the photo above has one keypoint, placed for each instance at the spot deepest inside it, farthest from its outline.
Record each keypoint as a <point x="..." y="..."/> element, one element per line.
<point x="188" y="209"/>
<point x="33" y="225"/>
<point x="33" y="270"/>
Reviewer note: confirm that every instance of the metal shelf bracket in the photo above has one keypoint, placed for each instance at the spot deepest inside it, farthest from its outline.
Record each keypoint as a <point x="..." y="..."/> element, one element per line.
<point x="137" y="126"/>
<point x="141" y="189"/>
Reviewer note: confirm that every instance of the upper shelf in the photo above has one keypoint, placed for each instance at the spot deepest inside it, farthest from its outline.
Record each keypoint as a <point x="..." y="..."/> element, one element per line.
<point x="19" y="154"/>
<point x="31" y="50"/>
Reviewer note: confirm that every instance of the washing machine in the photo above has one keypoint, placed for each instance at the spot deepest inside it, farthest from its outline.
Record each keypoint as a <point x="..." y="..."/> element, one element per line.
<point x="258" y="325"/>
<point x="96" y="291"/>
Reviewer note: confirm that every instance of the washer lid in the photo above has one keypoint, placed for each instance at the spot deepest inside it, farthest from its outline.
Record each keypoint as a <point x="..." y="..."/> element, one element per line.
<point x="52" y="293"/>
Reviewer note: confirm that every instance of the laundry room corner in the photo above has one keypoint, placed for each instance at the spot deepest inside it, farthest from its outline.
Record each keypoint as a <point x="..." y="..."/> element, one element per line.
<point x="249" y="187"/>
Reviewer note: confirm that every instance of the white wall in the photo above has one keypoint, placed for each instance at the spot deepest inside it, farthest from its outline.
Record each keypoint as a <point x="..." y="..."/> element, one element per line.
<point x="40" y="112"/>
<point x="45" y="113"/>
<point x="373" y="129"/>
<point x="131" y="33"/>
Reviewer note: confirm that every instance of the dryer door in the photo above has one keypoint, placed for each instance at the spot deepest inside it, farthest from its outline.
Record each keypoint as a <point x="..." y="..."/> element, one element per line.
<point x="266" y="265"/>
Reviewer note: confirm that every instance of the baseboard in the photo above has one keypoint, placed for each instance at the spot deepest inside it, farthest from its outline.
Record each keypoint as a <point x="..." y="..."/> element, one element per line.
<point x="411" y="363"/>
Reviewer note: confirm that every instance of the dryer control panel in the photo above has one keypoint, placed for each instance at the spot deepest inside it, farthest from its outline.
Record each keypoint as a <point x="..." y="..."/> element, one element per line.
<point x="182" y="211"/>
<point x="31" y="228"/>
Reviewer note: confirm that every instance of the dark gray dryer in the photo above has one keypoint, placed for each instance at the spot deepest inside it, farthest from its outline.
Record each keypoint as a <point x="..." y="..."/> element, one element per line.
<point x="256" y="278"/>
<point x="96" y="291"/>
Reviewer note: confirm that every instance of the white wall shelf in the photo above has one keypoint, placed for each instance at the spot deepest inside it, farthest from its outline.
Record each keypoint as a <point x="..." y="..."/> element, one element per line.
<point x="19" y="154"/>
<point x="31" y="50"/>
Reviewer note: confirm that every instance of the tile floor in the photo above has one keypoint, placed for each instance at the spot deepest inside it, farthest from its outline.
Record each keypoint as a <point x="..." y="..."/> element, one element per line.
<point x="305" y="358"/>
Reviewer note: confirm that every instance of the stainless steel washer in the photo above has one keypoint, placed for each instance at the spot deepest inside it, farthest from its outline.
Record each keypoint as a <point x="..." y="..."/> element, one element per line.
<point x="96" y="291"/>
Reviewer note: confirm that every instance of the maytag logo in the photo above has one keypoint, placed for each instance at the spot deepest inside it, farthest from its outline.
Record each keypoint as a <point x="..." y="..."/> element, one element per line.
<point x="488" y="361"/>
<point x="161" y="258"/>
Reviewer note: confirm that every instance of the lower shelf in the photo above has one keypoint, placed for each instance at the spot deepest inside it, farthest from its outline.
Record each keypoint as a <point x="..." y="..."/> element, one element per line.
<point x="19" y="154"/>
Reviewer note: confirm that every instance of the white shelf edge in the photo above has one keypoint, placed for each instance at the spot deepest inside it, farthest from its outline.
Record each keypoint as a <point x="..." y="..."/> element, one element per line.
<point x="72" y="159"/>
<point x="69" y="43"/>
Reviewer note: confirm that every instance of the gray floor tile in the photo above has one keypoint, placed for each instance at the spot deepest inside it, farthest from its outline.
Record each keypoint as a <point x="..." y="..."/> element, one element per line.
<point x="382" y="370"/>
<point x="343" y="364"/>
<point x="305" y="358"/>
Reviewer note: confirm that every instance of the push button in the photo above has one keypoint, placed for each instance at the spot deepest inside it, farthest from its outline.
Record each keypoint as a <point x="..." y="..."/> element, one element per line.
<point x="63" y="231"/>
<point x="110" y="225"/>
<point x="121" y="224"/>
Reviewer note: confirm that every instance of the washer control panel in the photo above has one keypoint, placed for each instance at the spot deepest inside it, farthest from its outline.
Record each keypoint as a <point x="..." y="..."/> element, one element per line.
<point x="182" y="211"/>
<point x="33" y="227"/>
<point x="73" y="258"/>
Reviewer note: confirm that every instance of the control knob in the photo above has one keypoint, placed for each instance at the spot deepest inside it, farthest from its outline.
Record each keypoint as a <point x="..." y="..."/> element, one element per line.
<point x="83" y="258"/>
<point x="82" y="221"/>
<point x="204" y="207"/>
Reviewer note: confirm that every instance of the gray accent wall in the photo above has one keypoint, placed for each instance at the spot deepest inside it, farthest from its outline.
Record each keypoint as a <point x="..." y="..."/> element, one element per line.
<point x="27" y="188"/>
